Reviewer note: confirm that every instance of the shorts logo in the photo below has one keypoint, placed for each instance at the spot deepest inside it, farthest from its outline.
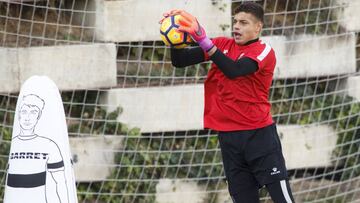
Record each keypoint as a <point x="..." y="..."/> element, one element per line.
<point x="274" y="171"/>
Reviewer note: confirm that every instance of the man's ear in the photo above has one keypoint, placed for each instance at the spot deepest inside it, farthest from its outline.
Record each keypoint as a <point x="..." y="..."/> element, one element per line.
<point x="259" y="26"/>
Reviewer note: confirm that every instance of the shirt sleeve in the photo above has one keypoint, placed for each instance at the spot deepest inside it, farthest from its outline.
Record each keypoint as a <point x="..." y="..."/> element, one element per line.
<point x="263" y="55"/>
<point x="233" y="69"/>
<point x="55" y="161"/>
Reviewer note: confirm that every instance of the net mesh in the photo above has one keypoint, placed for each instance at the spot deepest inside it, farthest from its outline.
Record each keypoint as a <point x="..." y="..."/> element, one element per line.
<point x="153" y="166"/>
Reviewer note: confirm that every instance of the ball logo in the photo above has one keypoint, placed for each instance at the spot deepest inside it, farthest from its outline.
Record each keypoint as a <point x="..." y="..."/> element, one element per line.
<point x="170" y="34"/>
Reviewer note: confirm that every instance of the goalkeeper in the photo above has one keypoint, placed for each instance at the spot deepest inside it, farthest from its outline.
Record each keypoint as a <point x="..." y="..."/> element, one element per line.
<point x="236" y="103"/>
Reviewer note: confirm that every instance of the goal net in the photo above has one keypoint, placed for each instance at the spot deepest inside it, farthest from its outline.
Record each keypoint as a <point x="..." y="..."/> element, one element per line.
<point x="135" y="121"/>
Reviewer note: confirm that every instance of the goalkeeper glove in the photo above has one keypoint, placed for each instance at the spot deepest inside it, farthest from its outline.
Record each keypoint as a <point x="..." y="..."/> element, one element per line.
<point x="189" y="24"/>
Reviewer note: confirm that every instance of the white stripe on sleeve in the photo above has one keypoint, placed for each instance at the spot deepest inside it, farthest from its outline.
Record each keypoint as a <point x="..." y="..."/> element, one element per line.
<point x="265" y="52"/>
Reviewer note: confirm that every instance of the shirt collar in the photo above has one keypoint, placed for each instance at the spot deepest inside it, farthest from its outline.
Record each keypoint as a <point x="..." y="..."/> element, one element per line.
<point x="251" y="41"/>
<point x="247" y="44"/>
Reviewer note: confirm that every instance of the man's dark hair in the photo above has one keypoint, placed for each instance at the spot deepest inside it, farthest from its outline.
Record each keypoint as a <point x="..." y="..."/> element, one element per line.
<point x="253" y="8"/>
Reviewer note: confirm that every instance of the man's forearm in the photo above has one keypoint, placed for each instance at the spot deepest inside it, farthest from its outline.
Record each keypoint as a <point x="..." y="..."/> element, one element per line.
<point x="232" y="69"/>
<point x="181" y="58"/>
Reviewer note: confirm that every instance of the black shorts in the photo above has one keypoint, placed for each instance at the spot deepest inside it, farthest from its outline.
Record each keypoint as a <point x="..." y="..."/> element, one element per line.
<point x="252" y="158"/>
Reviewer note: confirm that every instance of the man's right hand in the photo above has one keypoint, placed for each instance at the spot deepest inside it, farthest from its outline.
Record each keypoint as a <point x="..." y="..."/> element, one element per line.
<point x="189" y="24"/>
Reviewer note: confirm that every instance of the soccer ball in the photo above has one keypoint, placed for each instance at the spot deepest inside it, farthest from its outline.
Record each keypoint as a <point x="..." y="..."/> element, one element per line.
<point x="171" y="36"/>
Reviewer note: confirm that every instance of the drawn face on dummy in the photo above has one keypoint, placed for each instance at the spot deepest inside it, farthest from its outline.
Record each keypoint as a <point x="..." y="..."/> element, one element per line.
<point x="30" y="111"/>
<point x="28" y="117"/>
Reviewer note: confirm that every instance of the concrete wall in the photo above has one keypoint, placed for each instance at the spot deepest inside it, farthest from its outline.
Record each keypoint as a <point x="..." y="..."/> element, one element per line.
<point x="113" y="24"/>
<point x="312" y="56"/>
<point x="223" y="197"/>
<point x="353" y="87"/>
<point x="307" y="146"/>
<point x="178" y="191"/>
<point x="349" y="15"/>
<point x="9" y="70"/>
<point x="71" y="67"/>
<point x="157" y="109"/>
<point x="94" y="156"/>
